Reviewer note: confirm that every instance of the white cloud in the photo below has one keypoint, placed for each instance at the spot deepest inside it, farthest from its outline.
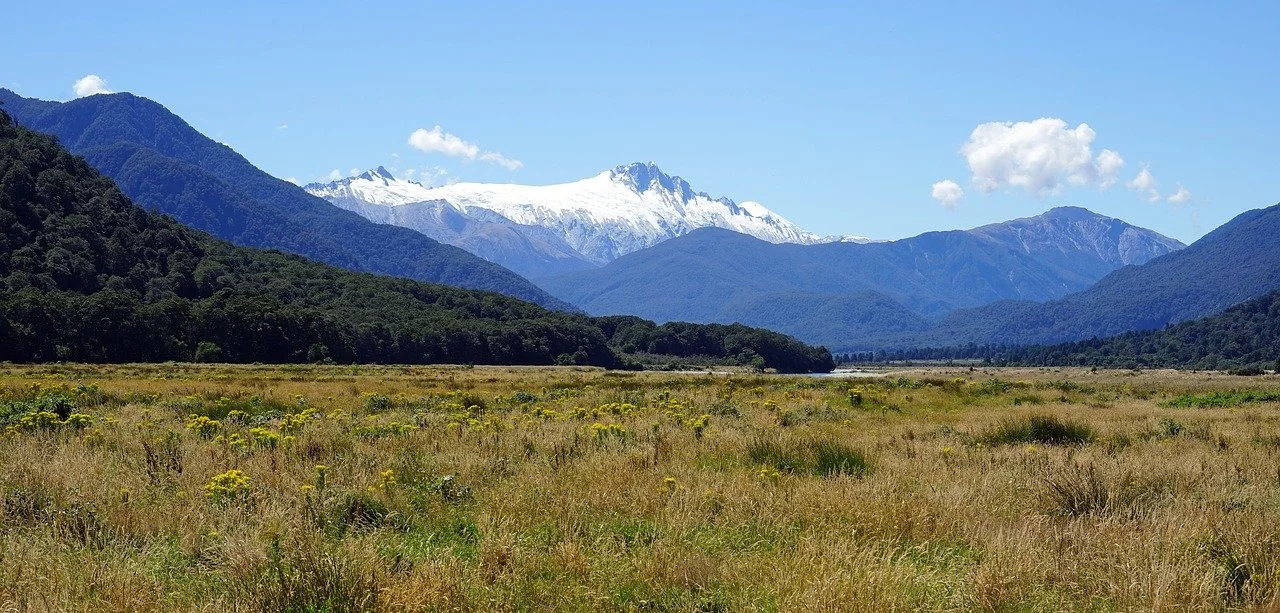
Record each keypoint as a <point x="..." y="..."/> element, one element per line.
<point x="436" y="140"/>
<point x="283" y="126"/>
<point x="1145" y="183"/>
<point x="335" y="175"/>
<point x="89" y="85"/>
<point x="1109" y="165"/>
<point x="947" y="192"/>
<point x="501" y="160"/>
<point x="1040" y="156"/>
<point x="1181" y="195"/>
<point x="293" y="180"/>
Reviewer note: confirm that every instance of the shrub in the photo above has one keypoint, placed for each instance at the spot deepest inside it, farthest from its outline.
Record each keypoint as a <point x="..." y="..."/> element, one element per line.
<point x="1043" y="429"/>
<point x="208" y="352"/>
<point x="230" y="486"/>
<point x="378" y="403"/>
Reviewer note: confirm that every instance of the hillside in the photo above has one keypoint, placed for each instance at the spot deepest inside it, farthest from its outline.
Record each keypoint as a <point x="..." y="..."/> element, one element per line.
<point x="165" y="165"/>
<point x="1237" y="261"/>
<point x="87" y="276"/>
<point x="1245" y="335"/>
<point x="839" y="293"/>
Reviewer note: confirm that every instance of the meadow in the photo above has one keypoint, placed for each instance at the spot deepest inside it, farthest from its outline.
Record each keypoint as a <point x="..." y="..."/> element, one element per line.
<point x="340" y="488"/>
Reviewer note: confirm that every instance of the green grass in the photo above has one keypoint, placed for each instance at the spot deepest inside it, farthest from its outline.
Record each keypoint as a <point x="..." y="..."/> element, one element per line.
<point x="1218" y="400"/>
<point x="1042" y="429"/>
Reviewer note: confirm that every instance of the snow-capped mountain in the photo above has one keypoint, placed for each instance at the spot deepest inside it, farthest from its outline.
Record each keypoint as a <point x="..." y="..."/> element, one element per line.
<point x="584" y="223"/>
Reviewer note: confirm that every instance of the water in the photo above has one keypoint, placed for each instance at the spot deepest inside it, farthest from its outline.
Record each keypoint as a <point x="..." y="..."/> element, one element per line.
<point x="840" y="373"/>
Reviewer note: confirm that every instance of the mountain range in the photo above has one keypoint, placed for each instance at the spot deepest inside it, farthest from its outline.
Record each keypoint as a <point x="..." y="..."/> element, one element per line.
<point x="1236" y="262"/>
<point x="165" y="165"/>
<point x="87" y="275"/>
<point x="545" y="230"/>
<point x="839" y="293"/>
<point x="636" y="240"/>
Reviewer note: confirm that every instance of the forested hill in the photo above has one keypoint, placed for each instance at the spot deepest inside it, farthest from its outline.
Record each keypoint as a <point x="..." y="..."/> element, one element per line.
<point x="1245" y="336"/>
<point x="86" y="275"/>
<point x="164" y="164"/>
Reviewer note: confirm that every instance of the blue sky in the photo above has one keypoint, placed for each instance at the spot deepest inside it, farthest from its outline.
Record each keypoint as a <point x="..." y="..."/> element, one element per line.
<point x="841" y="118"/>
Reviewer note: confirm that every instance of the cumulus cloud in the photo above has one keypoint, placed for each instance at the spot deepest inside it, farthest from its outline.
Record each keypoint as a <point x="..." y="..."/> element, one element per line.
<point x="436" y="140"/>
<point x="1145" y="183"/>
<point x="89" y="85"/>
<point x="335" y="175"/>
<point x="1040" y="156"/>
<point x="947" y="192"/>
<point x="293" y="180"/>
<point x="1044" y="157"/>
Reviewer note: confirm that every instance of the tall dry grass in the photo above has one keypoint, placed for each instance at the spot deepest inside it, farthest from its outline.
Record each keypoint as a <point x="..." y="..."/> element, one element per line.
<point x="573" y="489"/>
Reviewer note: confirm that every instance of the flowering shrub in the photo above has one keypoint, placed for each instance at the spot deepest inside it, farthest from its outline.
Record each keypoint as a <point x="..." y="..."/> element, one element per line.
<point x="228" y="487"/>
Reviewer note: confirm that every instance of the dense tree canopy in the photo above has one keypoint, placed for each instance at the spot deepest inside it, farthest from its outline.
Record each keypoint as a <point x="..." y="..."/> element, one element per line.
<point x="86" y="275"/>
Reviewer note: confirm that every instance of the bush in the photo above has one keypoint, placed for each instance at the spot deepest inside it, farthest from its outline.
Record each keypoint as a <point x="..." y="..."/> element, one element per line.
<point x="1043" y="429"/>
<point x="208" y="352"/>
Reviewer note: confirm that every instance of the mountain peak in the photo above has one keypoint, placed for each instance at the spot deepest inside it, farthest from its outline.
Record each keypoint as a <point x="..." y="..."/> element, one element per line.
<point x="379" y="173"/>
<point x="377" y="186"/>
<point x="642" y="176"/>
<point x="1072" y="231"/>
<point x="1072" y="212"/>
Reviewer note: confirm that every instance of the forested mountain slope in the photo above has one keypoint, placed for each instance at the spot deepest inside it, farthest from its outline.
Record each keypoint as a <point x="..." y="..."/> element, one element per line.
<point x="86" y="275"/>
<point x="164" y="164"/>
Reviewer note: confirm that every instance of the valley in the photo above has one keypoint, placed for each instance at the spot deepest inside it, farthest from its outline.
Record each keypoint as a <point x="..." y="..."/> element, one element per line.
<point x="676" y="307"/>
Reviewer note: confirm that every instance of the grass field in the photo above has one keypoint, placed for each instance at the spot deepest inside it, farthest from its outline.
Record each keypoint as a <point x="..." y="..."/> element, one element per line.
<point x="183" y="487"/>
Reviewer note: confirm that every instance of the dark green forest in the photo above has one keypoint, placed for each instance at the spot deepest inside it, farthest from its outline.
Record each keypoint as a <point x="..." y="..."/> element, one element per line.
<point x="1246" y="336"/>
<point x="165" y="165"/>
<point x="87" y="276"/>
